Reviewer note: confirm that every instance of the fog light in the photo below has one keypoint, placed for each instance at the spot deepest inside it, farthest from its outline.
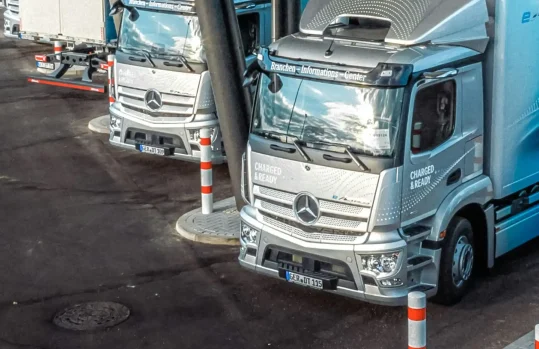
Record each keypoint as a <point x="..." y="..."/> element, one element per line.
<point x="381" y="264"/>
<point x="115" y="122"/>
<point x="391" y="282"/>
<point x="243" y="252"/>
<point x="194" y="135"/>
<point x="248" y="233"/>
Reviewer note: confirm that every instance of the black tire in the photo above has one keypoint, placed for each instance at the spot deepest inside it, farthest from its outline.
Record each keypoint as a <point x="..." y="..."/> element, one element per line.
<point x="450" y="291"/>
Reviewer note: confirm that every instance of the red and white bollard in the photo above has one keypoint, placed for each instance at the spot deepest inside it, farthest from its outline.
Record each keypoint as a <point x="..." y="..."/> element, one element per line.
<point x="58" y="47"/>
<point x="110" y="68"/>
<point x="206" y="172"/>
<point x="536" y="337"/>
<point x="417" y="320"/>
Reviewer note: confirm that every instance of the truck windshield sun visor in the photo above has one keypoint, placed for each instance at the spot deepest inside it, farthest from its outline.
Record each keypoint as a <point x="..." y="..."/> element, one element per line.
<point x="384" y="75"/>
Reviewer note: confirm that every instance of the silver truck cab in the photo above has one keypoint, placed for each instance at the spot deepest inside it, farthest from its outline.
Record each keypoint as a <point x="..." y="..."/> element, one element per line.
<point x="393" y="150"/>
<point x="163" y="93"/>
<point x="12" y="21"/>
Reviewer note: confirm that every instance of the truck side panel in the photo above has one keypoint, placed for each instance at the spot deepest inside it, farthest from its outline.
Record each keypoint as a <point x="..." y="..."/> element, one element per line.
<point x="512" y="105"/>
<point x="40" y="16"/>
<point x="83" y="19"/>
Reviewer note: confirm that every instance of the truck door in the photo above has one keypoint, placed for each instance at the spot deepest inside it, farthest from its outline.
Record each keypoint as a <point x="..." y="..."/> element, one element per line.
<point x="252" y="21"/>
<point x="434" y="154"/>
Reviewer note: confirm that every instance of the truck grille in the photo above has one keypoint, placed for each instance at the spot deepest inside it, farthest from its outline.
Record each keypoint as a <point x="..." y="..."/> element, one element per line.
<point x="13" y="6"/>
<point x="336" y="218"/>
<point x="173" y="105"/>
<point x="311" y="234"/>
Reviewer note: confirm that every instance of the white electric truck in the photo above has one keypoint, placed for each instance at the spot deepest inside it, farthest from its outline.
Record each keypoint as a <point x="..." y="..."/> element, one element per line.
<point x="394" y="146"/>
<point x="12" y="20"/>
<point x="163" y="94"/>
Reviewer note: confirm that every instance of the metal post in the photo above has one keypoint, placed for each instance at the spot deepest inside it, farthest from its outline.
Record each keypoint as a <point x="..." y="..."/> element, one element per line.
<point x="417" y="320"/>
<point x="536" y="337"/>
<point x="110" y="68"/>
<point x="277" y="25"/>
<point x="293" y="16"/>
<point x="226" y="63"/>
<point x="58" y="46"/>
<point x="206" y="172"/>
<point x="285" y="18"/>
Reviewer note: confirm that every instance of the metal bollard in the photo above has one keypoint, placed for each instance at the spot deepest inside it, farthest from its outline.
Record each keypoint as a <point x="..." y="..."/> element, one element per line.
<point x="206" y="172"/>
<point x="110" y="67"/>
<point x="536" y="337"/>
<point x="58" y="47"/>
<point x="417" y="320"/>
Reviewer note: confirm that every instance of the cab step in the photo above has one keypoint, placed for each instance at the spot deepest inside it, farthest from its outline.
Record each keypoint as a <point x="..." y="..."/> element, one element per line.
<point x="417" y="232"/>
<point x="418" y="262"/>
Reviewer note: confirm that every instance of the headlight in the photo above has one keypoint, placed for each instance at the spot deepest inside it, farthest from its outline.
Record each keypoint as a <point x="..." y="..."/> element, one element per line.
<point x="248" y="233"/>
<point x="381" y="264"/>
<point x="115" y="122"/>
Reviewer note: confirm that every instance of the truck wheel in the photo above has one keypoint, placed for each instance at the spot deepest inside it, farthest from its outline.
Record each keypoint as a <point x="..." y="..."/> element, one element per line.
<point x="457" y="263"/>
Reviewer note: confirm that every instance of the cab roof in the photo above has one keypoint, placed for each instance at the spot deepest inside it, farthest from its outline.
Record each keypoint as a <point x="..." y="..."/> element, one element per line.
<point x="411" y="22"/>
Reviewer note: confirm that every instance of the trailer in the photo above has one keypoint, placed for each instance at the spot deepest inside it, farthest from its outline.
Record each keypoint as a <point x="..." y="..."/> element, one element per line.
<point x="83" y="35"/>
<point x="394" y="147"/>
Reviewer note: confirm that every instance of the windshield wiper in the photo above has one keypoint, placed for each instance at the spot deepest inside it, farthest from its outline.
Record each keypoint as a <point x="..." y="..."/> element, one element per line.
<point x="142" y="52"/>
<point x="301" y="151"/>
<point x="183" y="60"/>
<point x="348" y="150"/>
<point x="297" y="143"/>
<point x="148" y="55"/>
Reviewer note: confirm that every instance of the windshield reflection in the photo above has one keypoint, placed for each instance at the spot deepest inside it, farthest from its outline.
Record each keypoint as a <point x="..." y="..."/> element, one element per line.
<point x="163" y="33"/>
<point x="364" y="118"/>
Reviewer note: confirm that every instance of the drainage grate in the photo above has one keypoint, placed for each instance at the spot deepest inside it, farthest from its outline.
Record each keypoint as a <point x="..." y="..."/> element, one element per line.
<point x="91" y="316"/>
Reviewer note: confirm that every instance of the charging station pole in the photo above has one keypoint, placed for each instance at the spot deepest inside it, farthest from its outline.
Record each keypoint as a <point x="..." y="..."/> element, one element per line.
<point x="221" y="39"/>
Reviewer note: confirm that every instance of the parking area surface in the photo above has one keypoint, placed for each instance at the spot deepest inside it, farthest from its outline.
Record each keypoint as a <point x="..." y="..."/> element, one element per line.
<point x="83" y="221"/>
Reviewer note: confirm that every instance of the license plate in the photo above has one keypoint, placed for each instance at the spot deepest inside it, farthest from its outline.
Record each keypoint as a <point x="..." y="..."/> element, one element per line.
<point x="153" y="150"/>
<point x="45" y="65"/>
<point x="304" y="280"/>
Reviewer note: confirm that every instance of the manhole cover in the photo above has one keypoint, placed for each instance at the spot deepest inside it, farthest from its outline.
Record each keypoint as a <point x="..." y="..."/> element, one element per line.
<point x="91" y="316"/>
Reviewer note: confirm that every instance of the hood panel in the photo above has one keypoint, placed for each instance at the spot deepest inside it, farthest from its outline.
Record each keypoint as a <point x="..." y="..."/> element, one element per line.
<point x="327" y="183"/>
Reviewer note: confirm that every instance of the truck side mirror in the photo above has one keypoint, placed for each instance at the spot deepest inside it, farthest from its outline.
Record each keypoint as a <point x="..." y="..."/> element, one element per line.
<point x="117" y="8"/>
<point x="251" y="74"/>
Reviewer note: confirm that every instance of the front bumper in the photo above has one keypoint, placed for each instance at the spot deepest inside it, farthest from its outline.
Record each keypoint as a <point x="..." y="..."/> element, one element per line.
<point x="12" y="24"/>
<point x="360" y="284"/>
<point x="185" y="148"/>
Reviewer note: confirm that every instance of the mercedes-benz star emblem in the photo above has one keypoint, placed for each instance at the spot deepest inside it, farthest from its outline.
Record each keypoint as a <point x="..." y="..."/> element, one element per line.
<point x="306" y="209"/>
<point x="153" y="99"/>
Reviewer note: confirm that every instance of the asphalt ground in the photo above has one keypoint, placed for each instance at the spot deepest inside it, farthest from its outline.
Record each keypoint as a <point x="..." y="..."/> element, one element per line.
<point x="83" y="221"/>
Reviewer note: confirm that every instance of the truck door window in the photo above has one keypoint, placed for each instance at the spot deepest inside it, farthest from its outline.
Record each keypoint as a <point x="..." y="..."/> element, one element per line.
<point x="434" y="116"/>
<point x="250" y="29"/>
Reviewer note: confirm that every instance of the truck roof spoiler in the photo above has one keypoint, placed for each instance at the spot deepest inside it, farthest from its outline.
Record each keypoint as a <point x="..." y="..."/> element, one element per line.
<point x="412" y="22"/>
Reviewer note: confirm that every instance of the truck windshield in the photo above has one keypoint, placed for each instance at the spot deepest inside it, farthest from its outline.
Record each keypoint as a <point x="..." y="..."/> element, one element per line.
<point x="162" y="34"/>
<point x="364" y="119"/>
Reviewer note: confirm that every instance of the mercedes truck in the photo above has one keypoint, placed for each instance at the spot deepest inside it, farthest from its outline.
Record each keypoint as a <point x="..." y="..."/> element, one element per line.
<point x="394" y="147"/>
<point x="162" y="94"/>
<point x="12" y="20"/>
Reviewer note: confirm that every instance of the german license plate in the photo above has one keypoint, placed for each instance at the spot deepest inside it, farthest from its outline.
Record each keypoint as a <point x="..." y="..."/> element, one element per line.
<point x="152" y="150"/>
<point x="45" y="65"/>
<point x="304" y="280"/>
